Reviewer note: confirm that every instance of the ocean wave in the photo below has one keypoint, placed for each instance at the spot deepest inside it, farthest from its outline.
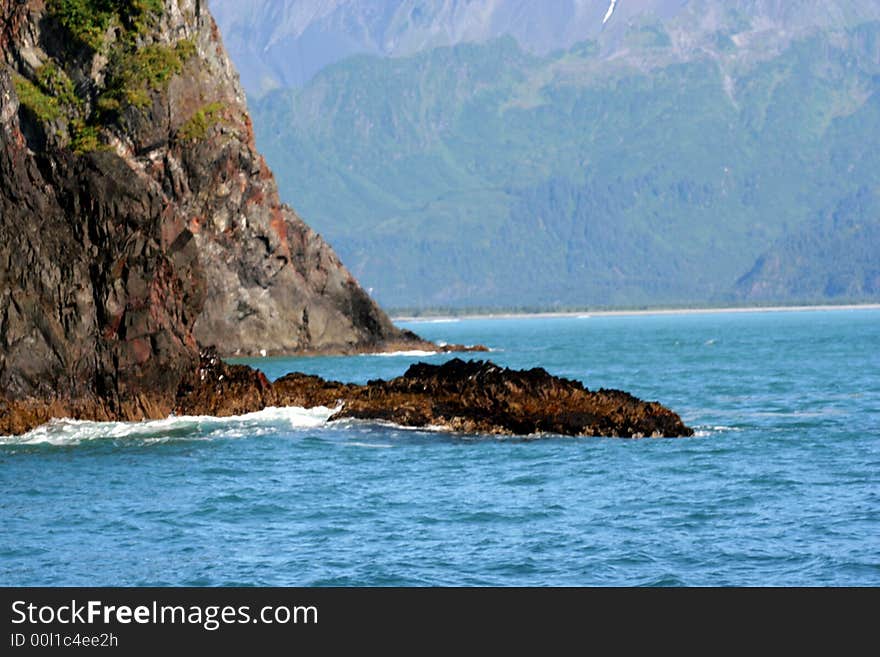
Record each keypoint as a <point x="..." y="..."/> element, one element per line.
<point x="702" y="431"/>
<point x="412" y="352"/>
<point x="64" y="432"/>
<point x="368" y="425"/>
<point x="419" y="353"/>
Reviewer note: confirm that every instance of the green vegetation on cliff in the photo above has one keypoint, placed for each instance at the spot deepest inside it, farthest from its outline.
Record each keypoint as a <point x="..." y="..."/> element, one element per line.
<point x="135" y="71"/>
<point x="51" y="97"/>
<point x="87" y="21"/>
<point x="44" y="106"/>
<point x="197" y="127"/>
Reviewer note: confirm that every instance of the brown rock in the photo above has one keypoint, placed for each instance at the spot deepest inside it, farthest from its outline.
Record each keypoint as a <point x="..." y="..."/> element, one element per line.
<point x="481" y="397"/>
<point x="470" y="397"/>
<point x="220" y="389"/>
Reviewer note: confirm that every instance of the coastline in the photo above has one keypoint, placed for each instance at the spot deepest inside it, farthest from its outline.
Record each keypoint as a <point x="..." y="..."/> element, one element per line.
<point x="634" y="313"/>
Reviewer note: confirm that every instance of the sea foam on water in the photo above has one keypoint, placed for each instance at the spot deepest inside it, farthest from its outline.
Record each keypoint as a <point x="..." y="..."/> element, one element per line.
<point x="269" y="420"/>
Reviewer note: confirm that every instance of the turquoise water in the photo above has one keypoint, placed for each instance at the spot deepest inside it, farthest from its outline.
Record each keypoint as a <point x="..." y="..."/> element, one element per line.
<point x="779" y="487"/>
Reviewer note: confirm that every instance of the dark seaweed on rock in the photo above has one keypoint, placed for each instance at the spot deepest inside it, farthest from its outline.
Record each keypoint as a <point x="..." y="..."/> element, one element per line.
<point x="481" y="397"/>
<point x="471" y="397"/>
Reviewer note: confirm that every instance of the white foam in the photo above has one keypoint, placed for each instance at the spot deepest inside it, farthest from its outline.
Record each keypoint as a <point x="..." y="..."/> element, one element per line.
<point x="705" y="430"/>
<point x="367" y="425"/>
<point x="185" y="427"/>
<point x="412" y="353"/>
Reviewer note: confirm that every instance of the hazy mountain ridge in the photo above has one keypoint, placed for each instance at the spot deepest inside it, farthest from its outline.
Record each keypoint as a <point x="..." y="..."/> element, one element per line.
<point x="282" y="43"/>
<point x="482" y="174"/>
<point x="834" y="255"/>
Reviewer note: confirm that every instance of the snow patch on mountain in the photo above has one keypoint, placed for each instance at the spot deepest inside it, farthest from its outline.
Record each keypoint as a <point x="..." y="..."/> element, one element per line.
<point x="610" y="12"/>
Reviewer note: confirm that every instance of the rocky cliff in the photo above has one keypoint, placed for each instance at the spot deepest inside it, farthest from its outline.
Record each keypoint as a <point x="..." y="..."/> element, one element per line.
<point x="137" y="220"/>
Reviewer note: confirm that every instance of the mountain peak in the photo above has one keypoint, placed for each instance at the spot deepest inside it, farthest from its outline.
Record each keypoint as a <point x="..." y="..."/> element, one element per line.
<point x="284" y="43"/>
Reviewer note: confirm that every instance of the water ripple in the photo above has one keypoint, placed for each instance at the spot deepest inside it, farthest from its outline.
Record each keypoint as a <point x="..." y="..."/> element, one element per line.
<point x="780" y="487"/>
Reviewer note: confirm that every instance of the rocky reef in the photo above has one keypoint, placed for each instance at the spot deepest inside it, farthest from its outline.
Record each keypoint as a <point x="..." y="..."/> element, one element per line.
<point x="470" y="397"/>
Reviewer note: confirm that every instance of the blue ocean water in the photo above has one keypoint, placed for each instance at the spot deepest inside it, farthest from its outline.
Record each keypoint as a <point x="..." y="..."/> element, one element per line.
<point x="781" y="486"/>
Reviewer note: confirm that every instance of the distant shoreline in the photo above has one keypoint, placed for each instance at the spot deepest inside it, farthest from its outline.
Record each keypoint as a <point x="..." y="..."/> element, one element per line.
<point x="626" y="313"/>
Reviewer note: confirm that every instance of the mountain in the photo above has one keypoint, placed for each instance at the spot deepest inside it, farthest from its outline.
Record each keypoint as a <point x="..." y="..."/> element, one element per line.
<point x="832" y="256"/>
<point x="284" y="43"/>
<point x="654" y="164"/>
<point x="138" y="222"/>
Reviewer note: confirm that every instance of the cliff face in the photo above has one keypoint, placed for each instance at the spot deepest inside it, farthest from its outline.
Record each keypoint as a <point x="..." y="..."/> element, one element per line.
<point x="137" y="220"/>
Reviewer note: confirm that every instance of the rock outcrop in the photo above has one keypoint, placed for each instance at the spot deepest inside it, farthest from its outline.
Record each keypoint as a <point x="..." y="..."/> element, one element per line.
<point x="481" y="397"/>
<point x="138" y="222"/>
<point x="470" y="397"/>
